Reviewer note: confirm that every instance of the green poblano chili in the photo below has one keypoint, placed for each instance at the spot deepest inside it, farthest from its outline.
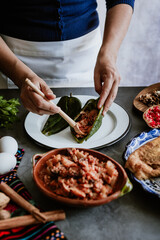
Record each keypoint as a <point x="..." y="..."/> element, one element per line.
<point x="55" y="123"/>
<point x="90" y="105"/>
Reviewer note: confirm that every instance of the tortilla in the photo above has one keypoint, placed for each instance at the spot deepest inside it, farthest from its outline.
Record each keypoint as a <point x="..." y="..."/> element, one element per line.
<point x="144" y="162"/>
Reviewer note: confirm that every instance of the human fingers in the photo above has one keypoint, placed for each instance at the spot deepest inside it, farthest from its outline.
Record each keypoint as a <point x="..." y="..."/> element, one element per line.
<point x="97" y="81"/>
<point x="109" y="90"/>
<point x="33" y="108"/>
<point x="109" y="100"/>
<point x="43" y="106"/>
<point x="47" y="91"/>
<point x="107" y="80"/>
<point x="37" y="104"/>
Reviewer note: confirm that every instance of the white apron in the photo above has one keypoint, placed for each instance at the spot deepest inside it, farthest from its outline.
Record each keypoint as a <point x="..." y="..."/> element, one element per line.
<point x="67" y="63"/>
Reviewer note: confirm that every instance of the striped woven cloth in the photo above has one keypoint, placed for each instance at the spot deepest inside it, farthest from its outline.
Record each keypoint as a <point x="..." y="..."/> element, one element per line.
<point x="47" y="231"/>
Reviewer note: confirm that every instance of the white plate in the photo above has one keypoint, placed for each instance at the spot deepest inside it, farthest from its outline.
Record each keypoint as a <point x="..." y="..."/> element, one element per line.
<point x="115" y="125"/>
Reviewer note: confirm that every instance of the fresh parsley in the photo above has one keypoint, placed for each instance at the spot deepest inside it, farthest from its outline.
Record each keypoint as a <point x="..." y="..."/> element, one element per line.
<point x="8" y="111"/>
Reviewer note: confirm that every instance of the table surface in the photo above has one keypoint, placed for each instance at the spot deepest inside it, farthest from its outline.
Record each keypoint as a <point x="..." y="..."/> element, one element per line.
<point x="135" y="216"/>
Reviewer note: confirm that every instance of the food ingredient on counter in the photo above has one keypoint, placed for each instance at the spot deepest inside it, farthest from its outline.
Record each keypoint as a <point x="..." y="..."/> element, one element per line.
<point x="7" y="162"/>
<point x="4" y="214"/>
<point x="4" y="200"/>
<point x="55" y="123"/>
<point x="8" y="144"/>
<point x="150" y="99"/>
<point x="144" y="162"/>
<point x="8" y="111"/>
<point x="26" y="220"/>
<point x="152" y="116"/>
<point x="89" y="120"/>
<point x="79" y="175"/>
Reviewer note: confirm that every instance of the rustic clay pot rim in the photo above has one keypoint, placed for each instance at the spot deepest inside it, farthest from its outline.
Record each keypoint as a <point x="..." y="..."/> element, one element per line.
<point x="42" y="158"/>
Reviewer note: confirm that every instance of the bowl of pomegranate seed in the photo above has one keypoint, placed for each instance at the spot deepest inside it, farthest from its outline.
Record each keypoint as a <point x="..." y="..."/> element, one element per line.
<point x="152" y="116"/>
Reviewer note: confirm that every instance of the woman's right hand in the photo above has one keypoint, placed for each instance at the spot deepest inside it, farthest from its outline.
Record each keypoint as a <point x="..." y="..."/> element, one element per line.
<point x="34" y="102"/>
<point x="16" y="70"/>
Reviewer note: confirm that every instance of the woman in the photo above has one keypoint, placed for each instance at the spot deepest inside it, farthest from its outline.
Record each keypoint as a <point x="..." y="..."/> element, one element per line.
<point x="57" y="44"/>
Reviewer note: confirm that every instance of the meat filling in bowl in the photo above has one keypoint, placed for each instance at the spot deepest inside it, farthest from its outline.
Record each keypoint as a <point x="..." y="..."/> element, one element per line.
<point x="79" y="175"/>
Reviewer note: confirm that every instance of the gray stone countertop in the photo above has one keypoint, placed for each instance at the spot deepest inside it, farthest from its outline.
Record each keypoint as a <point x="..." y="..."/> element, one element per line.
<point x="135" y="216"/>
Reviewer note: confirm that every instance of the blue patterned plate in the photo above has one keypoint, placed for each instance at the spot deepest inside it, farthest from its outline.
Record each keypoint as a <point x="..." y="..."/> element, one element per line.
<point x="150" y="185"/>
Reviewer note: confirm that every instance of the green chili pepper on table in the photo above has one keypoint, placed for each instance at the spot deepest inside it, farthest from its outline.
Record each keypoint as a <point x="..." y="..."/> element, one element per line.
<point x="55" y="123"/>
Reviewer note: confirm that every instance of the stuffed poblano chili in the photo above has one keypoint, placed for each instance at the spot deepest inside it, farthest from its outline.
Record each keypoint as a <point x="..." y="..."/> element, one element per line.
<point x="89" y="120"/>
<point x="55" y="123"/>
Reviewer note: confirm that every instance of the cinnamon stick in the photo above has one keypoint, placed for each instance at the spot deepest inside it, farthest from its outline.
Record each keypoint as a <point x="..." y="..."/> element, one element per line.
<point x="29" y="219"/>
<point x="22" y="202"/>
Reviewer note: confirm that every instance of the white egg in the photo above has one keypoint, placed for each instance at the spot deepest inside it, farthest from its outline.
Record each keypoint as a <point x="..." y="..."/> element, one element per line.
<point x="8" y="144"/>
<point x="7" y="162"/>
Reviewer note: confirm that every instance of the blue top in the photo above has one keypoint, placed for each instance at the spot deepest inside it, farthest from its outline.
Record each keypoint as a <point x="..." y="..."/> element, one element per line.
<point x="50" y="20"/>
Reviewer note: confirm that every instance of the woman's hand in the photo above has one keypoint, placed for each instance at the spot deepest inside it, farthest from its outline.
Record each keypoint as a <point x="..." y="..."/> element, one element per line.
<point x="106" y="76"/>
<point x="106" y="80"/>
<point x="34" y="102"/>
<point x="16" y="70"/>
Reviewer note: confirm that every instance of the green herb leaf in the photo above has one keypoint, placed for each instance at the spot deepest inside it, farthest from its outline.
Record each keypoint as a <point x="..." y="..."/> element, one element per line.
<point x="8" y="111"/>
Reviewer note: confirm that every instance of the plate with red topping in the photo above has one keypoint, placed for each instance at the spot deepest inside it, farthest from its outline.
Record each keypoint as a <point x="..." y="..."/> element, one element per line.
<point x="148" y="97"/>
<point x="152" y="116"/>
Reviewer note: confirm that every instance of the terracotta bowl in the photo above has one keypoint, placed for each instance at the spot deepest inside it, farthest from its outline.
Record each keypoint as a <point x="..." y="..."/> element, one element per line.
<point x="123" y="184"/>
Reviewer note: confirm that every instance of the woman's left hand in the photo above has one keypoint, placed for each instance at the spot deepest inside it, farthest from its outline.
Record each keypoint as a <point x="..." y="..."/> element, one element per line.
<point x="106" y="80"/>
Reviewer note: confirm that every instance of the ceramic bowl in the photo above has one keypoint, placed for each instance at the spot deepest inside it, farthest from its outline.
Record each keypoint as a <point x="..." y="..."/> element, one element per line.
<point x="122" y="187"/>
